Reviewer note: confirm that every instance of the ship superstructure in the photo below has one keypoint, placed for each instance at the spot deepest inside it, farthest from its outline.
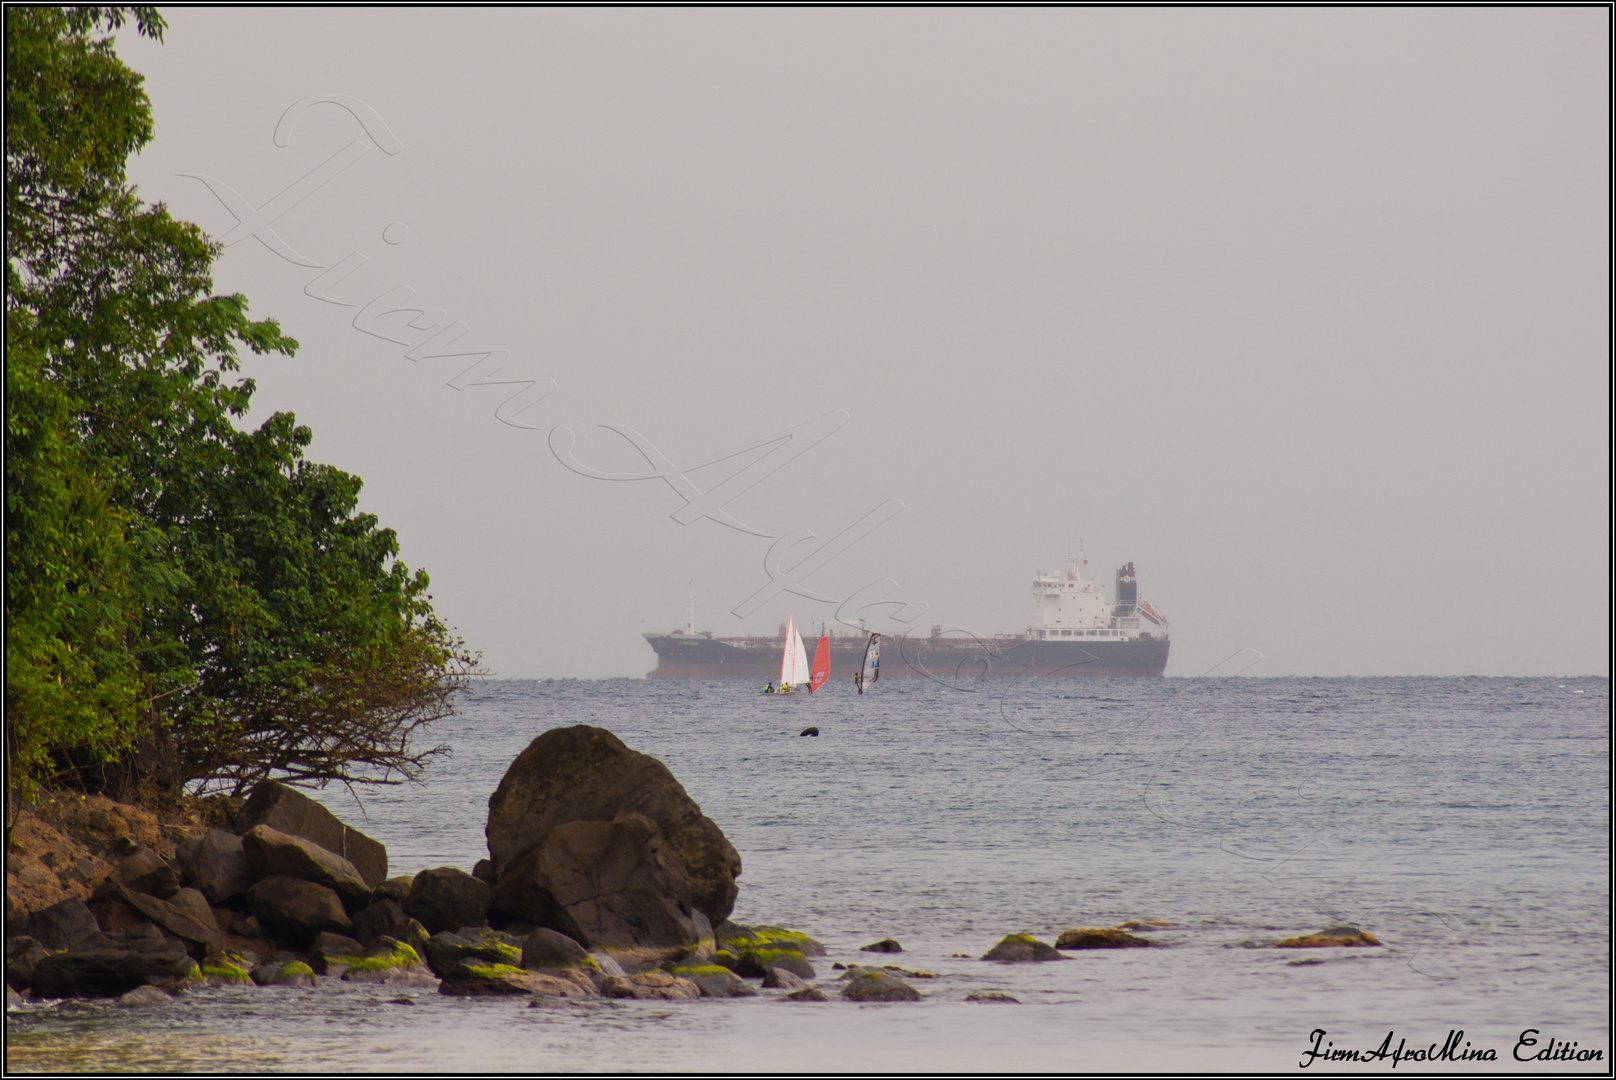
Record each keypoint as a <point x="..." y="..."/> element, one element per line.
<point x="1074" y="631"/>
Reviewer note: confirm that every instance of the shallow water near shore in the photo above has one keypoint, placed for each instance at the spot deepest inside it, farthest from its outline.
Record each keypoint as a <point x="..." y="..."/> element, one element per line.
<point x="1464" y="822"/>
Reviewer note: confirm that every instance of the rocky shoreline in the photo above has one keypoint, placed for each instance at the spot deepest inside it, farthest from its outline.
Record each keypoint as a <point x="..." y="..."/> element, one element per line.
<point x="604" y="880"/>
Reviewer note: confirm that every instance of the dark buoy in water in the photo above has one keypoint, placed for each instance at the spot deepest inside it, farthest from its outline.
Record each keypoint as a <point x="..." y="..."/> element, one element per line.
<point x="810" y="731"/>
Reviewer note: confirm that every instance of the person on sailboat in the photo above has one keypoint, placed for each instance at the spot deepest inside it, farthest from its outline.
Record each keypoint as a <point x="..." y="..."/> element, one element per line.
<point x="769" y="689"/>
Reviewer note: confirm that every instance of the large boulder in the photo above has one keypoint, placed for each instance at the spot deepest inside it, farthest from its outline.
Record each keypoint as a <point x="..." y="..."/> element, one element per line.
<point x="447" y="899"/>
<point x="586" y="774"/>
<point x="286" y="810"/>
<point x="1103" y="937"/>
<point x="272" y="853"/>
<point x="216" y="863"/>
<point x="472" y="945"/>
<point x="186" y="915"/>
<point x="608" y="884"/>
<point x="297" y="910"/>
<point x="62" y="925"/>
<point x="113" y="972"/>
<point x="1021" y="947"/>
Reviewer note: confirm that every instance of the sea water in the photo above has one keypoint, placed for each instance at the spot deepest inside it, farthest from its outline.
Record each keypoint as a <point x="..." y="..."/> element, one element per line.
<point x="1463" y="822"/>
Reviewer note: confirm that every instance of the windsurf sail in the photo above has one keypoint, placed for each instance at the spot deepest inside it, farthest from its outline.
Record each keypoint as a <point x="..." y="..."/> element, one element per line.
<point x="821" y="664"/>
<point x="871" y="668"/>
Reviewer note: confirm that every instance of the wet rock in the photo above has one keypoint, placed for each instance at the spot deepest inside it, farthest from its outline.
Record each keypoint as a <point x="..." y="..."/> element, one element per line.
<point x="1022" y="947"/>
<point x="293" y="813"/>
<point x="545" y="946"/>
<point x="737" y="939"/>
<point x="472" y="945"/>
<point x="778" y="978"/>
<point x="332" y="953"/>
<point x="227" y="971"/>
<point x="809" y="732"/>
<point x="14" y="1000"/>
<point x="143" y="996"/>
<point x="714" y="981"/>
<point x="650" y="984"/>
<point x="884" y="945"/>
<point x="23" y="954"/>
<point x="473" y="979"/>
<point x="297" y="909"/>
<point x="447" y="899"/>
<point x="1335" y="937"/>
<point x="1088" y="937"/>
<point x="216" y="863"/>
<point x="272" y="853"/>
<point x="870" y="985"/>
<point x="389" y="962"/>
<point x="757" y="963"/>
<point x="992" y="997"/>
<point x="113" y="972"/>
<point x="609" y="884"/>
<point x="291" y="973"/>
<point x="807" y="993"/>
<point x="586" y="774"/>
<point x="61" y="926"/>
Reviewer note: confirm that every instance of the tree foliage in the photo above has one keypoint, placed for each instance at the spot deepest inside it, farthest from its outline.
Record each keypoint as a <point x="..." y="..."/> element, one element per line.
<point x="186" y="602"/>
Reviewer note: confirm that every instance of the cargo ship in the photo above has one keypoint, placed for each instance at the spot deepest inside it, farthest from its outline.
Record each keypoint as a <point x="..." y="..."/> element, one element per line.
<point x="1074" y="632"/>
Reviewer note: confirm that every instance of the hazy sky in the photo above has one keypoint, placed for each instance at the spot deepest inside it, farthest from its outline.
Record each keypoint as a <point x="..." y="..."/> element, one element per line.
<point x="1305" y="312"/>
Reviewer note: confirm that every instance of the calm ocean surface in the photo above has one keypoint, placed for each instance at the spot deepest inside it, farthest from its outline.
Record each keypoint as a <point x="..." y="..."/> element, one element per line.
<point x="1464" y="822"/>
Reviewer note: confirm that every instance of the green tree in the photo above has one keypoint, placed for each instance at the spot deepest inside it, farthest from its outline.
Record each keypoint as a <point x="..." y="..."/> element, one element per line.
<point x="185" y="602"/>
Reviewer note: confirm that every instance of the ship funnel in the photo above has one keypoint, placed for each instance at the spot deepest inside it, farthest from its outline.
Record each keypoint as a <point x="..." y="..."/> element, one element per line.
<point x="1127" y="590"/>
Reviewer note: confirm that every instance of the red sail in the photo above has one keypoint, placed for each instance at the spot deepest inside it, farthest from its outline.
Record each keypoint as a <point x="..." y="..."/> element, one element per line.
<point x="821" y="664"/>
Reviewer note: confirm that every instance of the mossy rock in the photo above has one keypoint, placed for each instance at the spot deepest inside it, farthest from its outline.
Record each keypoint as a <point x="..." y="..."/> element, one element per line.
<point x="869" y="986"/>
<point x="1090" y="937"/>
<point x="756" y="963"/>
<point x="473" y="979"/>
<point x="1335" y="937"/>
<point x="226" y="974"/>
<point x="714" y="981"/>
<point x="390" y="962"/>
<point x="1019" y="947"/>
<point x="725" y="959"/>
<point x="792" y="939"/>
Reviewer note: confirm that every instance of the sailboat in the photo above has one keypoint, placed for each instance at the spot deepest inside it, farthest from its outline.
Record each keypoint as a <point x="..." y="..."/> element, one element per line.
<point x="794" y="661"/>
<point x="870" y="669"/>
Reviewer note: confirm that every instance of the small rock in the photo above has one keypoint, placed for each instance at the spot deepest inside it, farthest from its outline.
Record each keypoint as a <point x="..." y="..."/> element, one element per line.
<point x="14" y="1000"/>
<point x="810" y="732"/>
<point x="144" y="995"/>
<point x="473" y="979"/>
<point x="756" y="963"/>
<point x="484" y="871"/>
<point x="807" y="993"/>
<point x="650" y="984"/>
<point x="778" y="978"/>
<point x="991" y="996"/>
<point x="389" y="962"/>
<point x="717" y="982"/>
<point x="867" y="985"/>
<point x="884" y="945"/>
<point x="295" y="973"/>
<point x="249" y="927"/>
<point x="544" y="947"/>
<point x="1088" y="937"/>
<point x="1335" y="936"/>
<point x="381" y="917"/>
<point x="396" y="889"/>
<point x="1019" y="947"/>
<point x="145" y="871"/>
<point x="839" y="966"/>
<point x="334" y="951"/>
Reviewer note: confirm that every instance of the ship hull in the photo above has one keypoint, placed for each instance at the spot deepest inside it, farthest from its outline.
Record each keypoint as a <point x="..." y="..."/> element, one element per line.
<point x="681" y="656"/>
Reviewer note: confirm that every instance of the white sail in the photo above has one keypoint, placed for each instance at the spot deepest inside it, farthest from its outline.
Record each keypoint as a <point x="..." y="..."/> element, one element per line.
<point x="802" y="675"/>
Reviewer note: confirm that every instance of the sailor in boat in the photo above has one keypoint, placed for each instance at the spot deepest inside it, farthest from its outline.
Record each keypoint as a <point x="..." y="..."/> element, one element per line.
<point x="769" y="689"/>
